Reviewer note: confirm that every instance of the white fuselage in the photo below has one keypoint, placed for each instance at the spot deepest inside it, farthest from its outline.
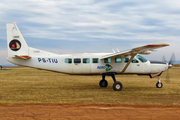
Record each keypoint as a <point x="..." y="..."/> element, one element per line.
<point x="85" y="64"/>
<point x="20" y="53"/>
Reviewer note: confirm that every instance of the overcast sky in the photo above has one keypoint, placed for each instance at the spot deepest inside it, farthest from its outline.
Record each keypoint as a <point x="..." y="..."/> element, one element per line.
<point x="78" y="26"/>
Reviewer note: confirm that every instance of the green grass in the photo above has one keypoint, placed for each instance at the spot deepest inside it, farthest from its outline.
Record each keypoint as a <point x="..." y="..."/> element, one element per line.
<point x="26" y="85"/>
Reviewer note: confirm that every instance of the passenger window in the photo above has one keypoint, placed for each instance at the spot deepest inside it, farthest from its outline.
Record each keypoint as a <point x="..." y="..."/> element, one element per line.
<point x="135" y="61"/>
<point x="68" y="60"/>
<point x="77" y="60"/>
<point x="118" y="60"/>
<point x="86" y="60"/>
<point x="107" y="60"/>
<point x="95" y="60"/>
<point x="126" y="60"/>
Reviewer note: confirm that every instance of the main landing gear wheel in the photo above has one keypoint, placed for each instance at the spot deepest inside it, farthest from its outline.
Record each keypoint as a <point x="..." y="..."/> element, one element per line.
<point x="103" y="83"/>
<point x="159" y="85"/>
<point x="117" y="86"/>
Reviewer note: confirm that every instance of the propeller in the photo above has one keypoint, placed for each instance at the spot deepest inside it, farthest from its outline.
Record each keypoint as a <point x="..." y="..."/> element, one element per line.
<point x="172" y="60"/>
<point x="170" y="65"/>
<point x="164" y="59"/>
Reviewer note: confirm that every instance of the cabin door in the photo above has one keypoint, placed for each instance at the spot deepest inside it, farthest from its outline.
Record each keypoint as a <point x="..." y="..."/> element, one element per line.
<point x="77" y="65"/>
<point x="86" y="65"/>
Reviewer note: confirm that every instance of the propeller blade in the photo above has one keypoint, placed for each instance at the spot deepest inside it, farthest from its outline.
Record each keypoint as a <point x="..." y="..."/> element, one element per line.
<point x="164" y="59"/>
<point x="172" y="60"/>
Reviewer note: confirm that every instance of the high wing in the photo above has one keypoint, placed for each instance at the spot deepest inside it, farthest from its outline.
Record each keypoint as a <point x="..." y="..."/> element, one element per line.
<point x="139" y="50"/>
<point x="133" y="52"/>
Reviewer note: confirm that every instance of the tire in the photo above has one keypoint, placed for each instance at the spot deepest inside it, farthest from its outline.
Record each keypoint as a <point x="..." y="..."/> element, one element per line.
<point x="159" y="85"/>
<point x="103" y="83"/>
<point x="117" y="86"/>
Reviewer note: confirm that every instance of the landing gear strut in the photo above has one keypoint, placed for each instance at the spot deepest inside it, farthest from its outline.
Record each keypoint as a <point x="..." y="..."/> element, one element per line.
<point x="117" y="86"/>
<point x="159" y="83"/>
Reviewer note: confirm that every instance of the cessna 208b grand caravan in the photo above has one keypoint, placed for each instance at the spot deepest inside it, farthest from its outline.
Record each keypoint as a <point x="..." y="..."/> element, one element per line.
<point x="105" y="64"/>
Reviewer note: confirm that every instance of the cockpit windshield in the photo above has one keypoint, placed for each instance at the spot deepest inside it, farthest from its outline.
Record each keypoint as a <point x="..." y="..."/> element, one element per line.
<point x="141" y="58"/>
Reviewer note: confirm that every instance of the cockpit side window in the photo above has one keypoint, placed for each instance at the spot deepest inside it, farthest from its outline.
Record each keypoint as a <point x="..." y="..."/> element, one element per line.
<point x="135" y="61"/>
<point x="141" y="58"/>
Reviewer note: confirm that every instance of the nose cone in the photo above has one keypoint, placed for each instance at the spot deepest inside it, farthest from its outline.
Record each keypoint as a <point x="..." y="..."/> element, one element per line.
<point x="158" y="66"/>
<point x="170" y="66"/>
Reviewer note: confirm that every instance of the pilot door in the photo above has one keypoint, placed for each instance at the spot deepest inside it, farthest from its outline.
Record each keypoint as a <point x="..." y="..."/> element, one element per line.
<point x="136" y="66"/>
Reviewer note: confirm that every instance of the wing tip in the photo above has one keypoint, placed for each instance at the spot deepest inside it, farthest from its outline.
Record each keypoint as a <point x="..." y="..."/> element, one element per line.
<point x="157" y="45"/>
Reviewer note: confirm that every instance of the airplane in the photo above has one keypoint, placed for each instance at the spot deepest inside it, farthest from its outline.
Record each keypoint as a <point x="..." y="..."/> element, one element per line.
<point x="105" y="64"/>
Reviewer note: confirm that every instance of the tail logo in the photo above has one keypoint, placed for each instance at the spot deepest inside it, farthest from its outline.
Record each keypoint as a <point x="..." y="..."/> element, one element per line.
<point x="15" y="45"/>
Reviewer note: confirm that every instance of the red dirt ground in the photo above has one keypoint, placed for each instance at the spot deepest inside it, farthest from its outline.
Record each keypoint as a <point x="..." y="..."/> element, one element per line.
<point x="87" y="112"/>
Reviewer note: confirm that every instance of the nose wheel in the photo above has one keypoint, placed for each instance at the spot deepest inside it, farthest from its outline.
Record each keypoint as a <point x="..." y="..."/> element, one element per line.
<point x="159" y="83"/>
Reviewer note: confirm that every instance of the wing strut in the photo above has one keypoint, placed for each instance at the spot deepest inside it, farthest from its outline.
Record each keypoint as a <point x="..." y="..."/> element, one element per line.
<point x="128" y="63"/>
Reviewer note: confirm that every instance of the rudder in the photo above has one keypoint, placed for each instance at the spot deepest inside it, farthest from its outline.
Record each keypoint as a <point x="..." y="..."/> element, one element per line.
<point x="16" y="44"/>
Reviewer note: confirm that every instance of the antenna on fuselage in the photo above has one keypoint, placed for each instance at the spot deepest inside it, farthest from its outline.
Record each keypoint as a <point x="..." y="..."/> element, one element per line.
<point x="113" y="51"/>
<point x="118" y="50"/>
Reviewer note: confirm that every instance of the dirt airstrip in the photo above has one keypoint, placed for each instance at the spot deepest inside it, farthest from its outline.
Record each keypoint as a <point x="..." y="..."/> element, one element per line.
<point x="87" y="111"/>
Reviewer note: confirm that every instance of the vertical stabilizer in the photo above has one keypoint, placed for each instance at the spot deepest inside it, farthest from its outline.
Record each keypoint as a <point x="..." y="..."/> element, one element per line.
<point x="16" y="44"/>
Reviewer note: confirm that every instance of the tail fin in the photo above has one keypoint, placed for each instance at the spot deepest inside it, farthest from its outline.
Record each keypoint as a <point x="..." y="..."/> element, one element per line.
<point x="16" y="44"/>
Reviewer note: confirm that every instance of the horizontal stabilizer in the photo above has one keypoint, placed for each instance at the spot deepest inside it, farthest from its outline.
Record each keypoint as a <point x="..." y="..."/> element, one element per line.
<point x="24" y="57"/>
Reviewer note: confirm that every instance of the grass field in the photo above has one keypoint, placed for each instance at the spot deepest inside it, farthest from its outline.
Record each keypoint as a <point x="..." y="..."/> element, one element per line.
<point x="27" y="85"/>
